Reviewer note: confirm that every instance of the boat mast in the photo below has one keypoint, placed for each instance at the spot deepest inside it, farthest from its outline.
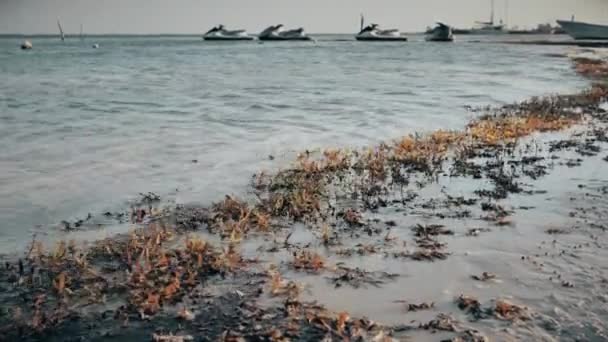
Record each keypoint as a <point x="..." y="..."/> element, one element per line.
<point x="492" y="14"/>
<point x="507" y="13"/>
<point x="60" y="30"/>
<point x="362" y="22"/>
<point x="81" y="33"/>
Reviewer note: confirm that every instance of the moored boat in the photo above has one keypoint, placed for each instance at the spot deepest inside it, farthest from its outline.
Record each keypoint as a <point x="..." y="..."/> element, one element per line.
<point x="221" y="33"/>
<point x="489" y="27"/>
<point x="372" y="32"/>
<point x="278" y="32"/>
<point x="440" y="33"/>
<point x="582" y="30"/>
<point x="26" y="45"/>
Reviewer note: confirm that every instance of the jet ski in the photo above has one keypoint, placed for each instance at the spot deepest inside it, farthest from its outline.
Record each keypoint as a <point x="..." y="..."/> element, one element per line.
<point x="26" y="45"/>
<point x="373" y="32"/>
<point x="440" y="33"/>
<point x="220" y="33"/>
<point x="277" y="32"/>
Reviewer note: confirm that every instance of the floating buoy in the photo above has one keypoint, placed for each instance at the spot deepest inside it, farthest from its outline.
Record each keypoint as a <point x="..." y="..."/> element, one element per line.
<point x="26" y="45"/>
<point x="95" y="46"/>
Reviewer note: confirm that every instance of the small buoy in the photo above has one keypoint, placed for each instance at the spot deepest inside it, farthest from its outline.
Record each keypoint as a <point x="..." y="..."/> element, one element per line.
<point x="95" y="46"/>
<point x="26" y="45"/>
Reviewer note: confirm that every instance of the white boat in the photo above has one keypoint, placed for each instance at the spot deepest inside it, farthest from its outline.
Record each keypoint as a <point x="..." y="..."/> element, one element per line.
<point x="26" y="45"/>
<point x="489" y="27"/>
<point x="373" y="32"/>
<point x="277" y="32"/>
<point x="220" y="33"/>
<point x="61" y="35"/>
<point x="441" y="33"/>
<point x="582" y="30"/>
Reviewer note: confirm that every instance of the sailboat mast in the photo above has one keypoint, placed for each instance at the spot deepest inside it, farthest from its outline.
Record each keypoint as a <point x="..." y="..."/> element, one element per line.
<point x="507" y="13"/>
<point x="81" y="33"/>
<point x="60" y="30"/>
<point x="492" y="13"/>
<point x="362" y="22"/>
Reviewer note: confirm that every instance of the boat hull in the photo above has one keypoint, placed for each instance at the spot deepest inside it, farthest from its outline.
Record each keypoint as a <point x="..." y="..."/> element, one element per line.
<point x="581" y="30"/>
<point x="439" y="39"/>
<point x="441" y="33"/>
<point x="227" y="38"/>
<point x="284" y="38"/>
<point x="487" y="32"/>
<point x="381" y="39"/>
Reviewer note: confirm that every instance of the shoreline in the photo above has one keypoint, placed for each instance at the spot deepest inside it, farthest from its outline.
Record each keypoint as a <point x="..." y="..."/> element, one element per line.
<point x="335" y="197"/>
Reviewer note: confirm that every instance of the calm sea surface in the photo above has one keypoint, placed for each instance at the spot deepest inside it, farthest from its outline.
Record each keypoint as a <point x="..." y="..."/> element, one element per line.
<point x="85" y="130"/>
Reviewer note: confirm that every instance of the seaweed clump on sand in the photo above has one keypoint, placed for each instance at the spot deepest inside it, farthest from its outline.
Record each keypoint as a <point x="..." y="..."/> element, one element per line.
<point x="591" y="67"/>
<point x="139" y="274"/>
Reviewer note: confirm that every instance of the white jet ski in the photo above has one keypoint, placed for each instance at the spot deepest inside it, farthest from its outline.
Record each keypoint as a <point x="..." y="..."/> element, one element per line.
<point x="440" y="33"/>
<point x="277" y="32"/>
<point x="220" y="33"/>
<point x="26" y="45"/>
<point x="373" y="32"/>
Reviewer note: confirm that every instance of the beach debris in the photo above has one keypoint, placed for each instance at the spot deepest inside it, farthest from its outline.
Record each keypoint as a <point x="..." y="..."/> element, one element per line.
<point x="485" y="276"/>
<point x="477" y="231"/>
<point x="568" y="284"/>
<point x="148" y="198"/>
<point x="470" y="305"/>
<point x="556" y="231"/>
<point x="409" y="307"/>
<point x="590" y="67"/>
<point x="506" y="310"/>
<point x="352" y="217"/>
<point x="356" y="277"/>
<point x="186" y="314"/>
<point x="280" y="286"/>
<point x="431" y="230"/>
<point x="171" y="338"/>
<point x="428" y="255"/>
<point x="469" y="335"/>
<point x="308" y="261"/>
<point x="442" y="322"/>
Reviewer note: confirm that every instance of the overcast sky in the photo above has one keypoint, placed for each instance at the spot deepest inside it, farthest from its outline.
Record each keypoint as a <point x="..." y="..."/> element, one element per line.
<point x="327" y="16"/>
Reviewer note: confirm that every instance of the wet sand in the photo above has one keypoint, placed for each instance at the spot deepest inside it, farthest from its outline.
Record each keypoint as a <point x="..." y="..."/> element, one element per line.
<point x="494" y="232"/>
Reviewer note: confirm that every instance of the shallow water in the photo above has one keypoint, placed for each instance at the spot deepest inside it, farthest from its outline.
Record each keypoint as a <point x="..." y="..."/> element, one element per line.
<point x="85" y="130"/>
